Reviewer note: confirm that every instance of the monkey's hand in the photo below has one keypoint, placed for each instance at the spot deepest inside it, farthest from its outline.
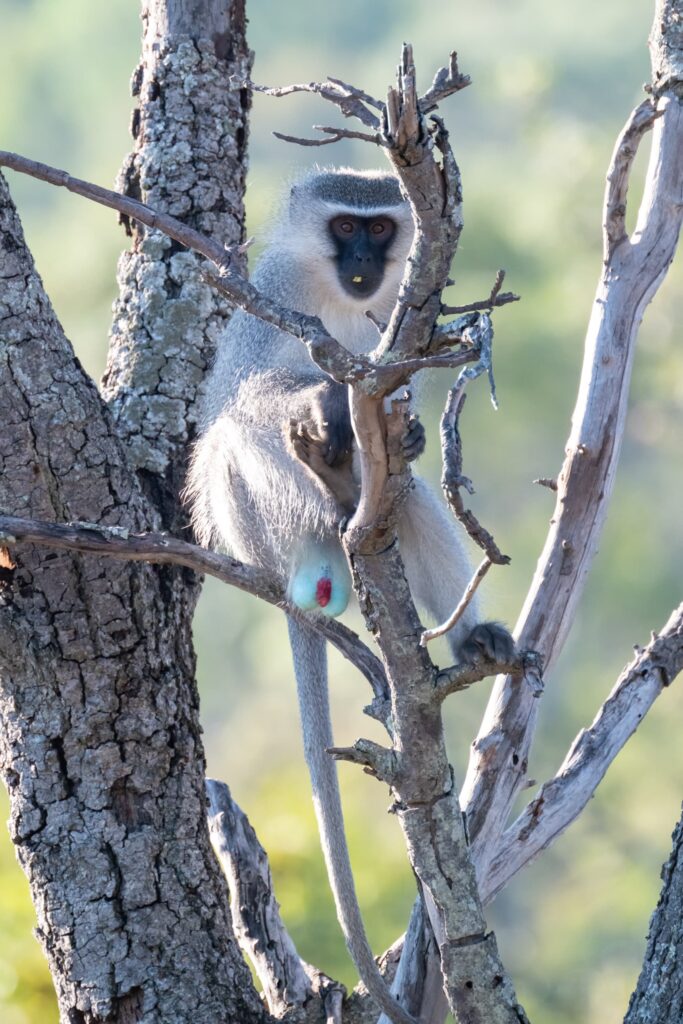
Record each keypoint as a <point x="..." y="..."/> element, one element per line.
<point x="488" y="641"/>
<point x="414" y="440"/>
<point x="323" y="442"/>
<point x="326" y="423"/>
<point x="332" y="418"/>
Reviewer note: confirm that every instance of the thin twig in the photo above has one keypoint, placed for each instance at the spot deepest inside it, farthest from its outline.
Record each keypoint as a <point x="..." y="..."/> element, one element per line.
<point x="452" y="479"/>
<point x="352" y="102"/>
<point x="546" y="481"/>
<point x="447" y="81"/>
<point x="337" y="135"/>
<point x="441" y="360"/>
<point x="494" y="299"/>
<point x="483" y="304"/>
<point x="459" y="611"/>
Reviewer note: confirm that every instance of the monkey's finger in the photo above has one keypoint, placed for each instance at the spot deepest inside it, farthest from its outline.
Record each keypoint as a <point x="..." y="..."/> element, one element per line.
<point x="414" y="441"/>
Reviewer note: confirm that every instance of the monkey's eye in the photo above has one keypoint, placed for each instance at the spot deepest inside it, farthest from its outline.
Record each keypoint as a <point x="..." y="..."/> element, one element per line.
<point x="382" y="228"/>
<point x="343" y="227"/>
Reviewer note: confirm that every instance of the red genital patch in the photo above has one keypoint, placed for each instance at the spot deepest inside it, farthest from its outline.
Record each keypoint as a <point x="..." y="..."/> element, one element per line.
<point x="323" y="591"/>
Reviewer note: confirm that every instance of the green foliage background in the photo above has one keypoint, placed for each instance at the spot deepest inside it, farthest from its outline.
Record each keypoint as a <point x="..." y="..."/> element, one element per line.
<point x="552" y="87"/>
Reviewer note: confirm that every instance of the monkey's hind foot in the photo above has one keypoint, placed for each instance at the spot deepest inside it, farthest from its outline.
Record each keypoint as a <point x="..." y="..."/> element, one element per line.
<point x="488" y="641"/>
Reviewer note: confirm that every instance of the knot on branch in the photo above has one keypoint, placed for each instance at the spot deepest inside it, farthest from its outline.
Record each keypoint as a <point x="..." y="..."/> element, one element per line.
<point x="375" y="759"/>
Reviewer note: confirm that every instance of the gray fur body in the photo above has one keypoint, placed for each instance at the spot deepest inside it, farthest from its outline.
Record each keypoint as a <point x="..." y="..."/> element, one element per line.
<point x="252" y="496"/>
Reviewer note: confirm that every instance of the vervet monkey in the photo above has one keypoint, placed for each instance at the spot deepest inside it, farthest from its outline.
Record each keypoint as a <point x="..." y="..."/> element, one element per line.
<point x="337" y="249"/>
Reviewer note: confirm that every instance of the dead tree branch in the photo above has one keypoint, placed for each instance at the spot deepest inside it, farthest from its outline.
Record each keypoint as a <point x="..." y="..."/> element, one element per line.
<point x="422" y="783"/>
<point x="452" y="479"/>
<point x="292" y="988"/>
<point x="496" y="298"/>
<point x="163" y="549"/>
<point x="614" y="223"/>
<point x="630" y="278"/>
<point x="561" y="800"/>
<point x="255" y="911"/>
<point x="459" y="611"/>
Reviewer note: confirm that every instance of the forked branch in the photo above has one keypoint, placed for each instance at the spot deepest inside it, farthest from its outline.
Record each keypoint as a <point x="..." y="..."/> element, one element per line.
<point x="634" y="269"/>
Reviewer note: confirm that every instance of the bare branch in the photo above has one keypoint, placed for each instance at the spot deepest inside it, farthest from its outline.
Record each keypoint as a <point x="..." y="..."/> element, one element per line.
<point x="627" y="284"/>
<point x="561" y="800"/>
<point x="332" y="357"/>
<point x="447" y="81"/>
<point x="614" y="208"/>
<point x="483" y="304"/>
<point x="496" y="298"/>
<point x="131" y="208"/>
<point x="255" y="912"/>
<point x="297" y="140"/>
<point x="459" y="611"/>
<point x="337" y="133"/>
<point x="452" y="479"/>
<point x="527" y="666"/>
<point x="352" y="102"/>
<point x="373" y="757"/>
<point x="440" y="360"/>
<point x="160" y="548"/>
<point x="546" y="481"/>
<point x="463" y="331"/>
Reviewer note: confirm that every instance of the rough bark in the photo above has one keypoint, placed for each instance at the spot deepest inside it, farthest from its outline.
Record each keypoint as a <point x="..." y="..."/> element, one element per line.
<point x="99" y="736"/>
<point x="190" y="132"/>
<point x="658" y="998"/>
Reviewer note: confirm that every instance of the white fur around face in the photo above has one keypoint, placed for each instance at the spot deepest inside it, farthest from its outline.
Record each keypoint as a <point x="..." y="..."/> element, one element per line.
<point x="304" y="236"/>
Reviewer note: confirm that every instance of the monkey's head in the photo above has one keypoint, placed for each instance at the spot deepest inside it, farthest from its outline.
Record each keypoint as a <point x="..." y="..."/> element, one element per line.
<point x="357" y="231"/>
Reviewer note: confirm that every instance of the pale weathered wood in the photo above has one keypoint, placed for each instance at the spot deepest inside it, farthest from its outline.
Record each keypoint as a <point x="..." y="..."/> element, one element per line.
<point x="255" y="911"/>
<point x="418" y="770"/>
<point x="636" y="268"/>
<point x="560" y="801"/>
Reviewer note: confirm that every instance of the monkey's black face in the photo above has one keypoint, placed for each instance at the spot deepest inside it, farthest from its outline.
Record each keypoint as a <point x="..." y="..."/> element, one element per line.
<point x="361" y="244"/>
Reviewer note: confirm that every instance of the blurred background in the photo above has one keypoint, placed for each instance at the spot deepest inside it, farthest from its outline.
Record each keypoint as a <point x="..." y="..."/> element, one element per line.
<point x="552" y="86"/>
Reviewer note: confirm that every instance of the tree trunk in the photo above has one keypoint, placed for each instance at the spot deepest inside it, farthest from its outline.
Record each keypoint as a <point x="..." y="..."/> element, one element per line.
<point x="658" y="998"/>
<point x="99" y="735"/>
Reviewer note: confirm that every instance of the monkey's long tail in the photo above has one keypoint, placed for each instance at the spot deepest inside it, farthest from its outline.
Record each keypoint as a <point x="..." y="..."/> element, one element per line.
<point x="310" y="668"/>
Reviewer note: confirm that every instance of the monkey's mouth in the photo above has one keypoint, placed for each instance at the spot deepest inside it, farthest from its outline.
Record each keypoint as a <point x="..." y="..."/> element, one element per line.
<point x="361" y="285"/>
